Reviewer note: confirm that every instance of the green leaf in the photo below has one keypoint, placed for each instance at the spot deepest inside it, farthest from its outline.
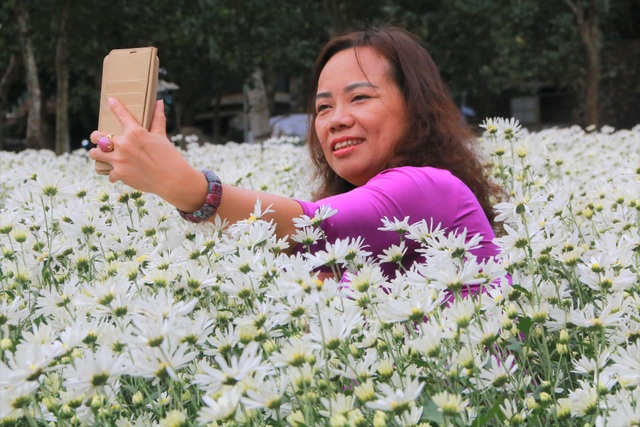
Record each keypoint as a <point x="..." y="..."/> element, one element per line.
<point x="484" y="418"/>
<point x="431" y="412"/>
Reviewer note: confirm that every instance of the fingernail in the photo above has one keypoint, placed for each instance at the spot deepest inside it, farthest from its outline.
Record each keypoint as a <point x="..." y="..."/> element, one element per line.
<point x="111" y="101"/>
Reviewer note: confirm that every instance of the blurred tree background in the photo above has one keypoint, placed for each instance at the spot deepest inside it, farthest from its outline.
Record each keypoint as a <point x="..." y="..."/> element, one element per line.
<point x="551" y="62"/>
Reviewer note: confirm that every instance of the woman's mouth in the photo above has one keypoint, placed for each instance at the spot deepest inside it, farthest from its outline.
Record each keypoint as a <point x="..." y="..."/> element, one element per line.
<point x="347" y="143"/>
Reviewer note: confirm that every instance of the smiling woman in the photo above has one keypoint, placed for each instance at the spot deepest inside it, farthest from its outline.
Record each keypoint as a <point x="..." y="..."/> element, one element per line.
<point x="360" y="115"/>
<point x="387" y="142"/>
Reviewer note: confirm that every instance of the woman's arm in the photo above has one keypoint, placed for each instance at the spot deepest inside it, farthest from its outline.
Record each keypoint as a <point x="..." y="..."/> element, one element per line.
<point x="149" y="162"/>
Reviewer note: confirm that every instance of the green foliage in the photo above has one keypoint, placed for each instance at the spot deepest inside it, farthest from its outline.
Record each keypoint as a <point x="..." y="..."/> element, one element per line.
<point x="210" y="47"/>
<point x="483" y="45"/>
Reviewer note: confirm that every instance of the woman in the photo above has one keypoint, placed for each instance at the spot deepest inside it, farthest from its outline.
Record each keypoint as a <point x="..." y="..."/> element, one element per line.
<point x="387" y="141"/>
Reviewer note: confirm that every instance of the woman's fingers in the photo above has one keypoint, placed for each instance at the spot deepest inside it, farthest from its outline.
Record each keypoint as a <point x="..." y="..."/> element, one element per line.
<point x="100" y="156"/>
<point x="159" y="122"/>
<point x="124" y="116"/>
<point x="140" y="159"/>
<point x="96" y="135"/>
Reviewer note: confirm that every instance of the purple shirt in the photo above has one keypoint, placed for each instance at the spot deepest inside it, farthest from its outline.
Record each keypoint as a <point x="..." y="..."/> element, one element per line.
<point x="417" y="192"/>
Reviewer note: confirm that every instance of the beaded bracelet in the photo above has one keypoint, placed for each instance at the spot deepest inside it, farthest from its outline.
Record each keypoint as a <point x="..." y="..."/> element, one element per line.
<point x="211" y="203"/>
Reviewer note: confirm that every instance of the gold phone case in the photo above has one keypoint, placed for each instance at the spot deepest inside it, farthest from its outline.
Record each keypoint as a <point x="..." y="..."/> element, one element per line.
<point x="131" y="76"/>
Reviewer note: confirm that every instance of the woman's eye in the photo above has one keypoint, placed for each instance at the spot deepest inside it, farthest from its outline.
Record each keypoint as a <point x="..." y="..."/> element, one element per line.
<point x="360" y="97"/>
<point x="321" y="107"/>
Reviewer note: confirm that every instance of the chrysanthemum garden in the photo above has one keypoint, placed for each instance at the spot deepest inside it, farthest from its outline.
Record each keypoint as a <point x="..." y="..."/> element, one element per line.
<point x="115" y="311"/>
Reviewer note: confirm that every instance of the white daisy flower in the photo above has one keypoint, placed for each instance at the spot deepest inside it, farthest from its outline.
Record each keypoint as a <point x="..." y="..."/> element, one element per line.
<point x="392" y="399"/>
<point x="338" y="404"/>
<point x="221" y="408"/>
<point x="94" y="370"/>
<point x="450" y="403"/>
<point x="269" y="393"/>
<point x="230" y="372"/>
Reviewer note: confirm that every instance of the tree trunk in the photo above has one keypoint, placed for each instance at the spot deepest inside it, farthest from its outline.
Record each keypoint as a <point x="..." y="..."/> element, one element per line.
<point x="34" y="119"/>
<point x="258" y="108"/>
<point x="11" y="75"/>
<point x="62" y="89"/>
<point x="592" y="89"/>
<point x="589" y="27"/>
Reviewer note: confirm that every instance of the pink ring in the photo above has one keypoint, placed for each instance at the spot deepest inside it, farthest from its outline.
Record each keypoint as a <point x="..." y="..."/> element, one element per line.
<point x="105" y="143"/>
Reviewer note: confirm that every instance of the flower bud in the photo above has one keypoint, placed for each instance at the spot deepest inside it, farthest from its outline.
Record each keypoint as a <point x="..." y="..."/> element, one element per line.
<point x="380" y="419"/>
<point x="385" y="369"/>
<point x="365" y="391"/>
<point x="6" y="344"/>
<point x="137" y="399"/>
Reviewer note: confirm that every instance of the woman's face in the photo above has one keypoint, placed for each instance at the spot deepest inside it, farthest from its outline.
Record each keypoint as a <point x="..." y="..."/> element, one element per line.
<point x="361" y="114"/>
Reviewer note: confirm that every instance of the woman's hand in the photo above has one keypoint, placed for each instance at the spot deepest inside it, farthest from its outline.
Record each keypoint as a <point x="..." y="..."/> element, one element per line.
<point x="149" y="162"/>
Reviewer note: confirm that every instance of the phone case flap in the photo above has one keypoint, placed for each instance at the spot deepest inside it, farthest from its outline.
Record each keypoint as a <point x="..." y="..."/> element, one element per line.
<point x="129" y="75"/>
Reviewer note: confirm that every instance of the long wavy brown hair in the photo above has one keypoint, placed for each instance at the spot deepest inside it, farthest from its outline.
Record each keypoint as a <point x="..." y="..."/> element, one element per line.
<point x="437" y="135"/>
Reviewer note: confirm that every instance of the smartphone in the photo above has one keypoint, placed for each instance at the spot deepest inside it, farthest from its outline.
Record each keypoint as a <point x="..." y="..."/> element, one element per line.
<point x="131" y="76"/>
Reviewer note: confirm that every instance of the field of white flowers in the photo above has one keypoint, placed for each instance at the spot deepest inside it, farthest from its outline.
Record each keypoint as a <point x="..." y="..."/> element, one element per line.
<point x="114" y="311"/>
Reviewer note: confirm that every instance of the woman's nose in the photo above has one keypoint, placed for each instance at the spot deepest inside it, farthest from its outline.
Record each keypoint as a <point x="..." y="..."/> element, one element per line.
<point x="341" y="119"/>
